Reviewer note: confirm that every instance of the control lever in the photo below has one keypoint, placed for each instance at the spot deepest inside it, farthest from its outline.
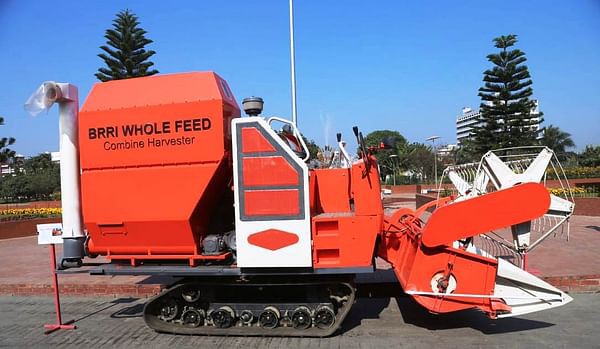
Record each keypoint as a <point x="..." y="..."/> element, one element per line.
<point x="363" y="148"/>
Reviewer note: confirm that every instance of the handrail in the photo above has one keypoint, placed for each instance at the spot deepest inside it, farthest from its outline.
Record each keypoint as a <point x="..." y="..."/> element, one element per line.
<point x="295" y="132"/>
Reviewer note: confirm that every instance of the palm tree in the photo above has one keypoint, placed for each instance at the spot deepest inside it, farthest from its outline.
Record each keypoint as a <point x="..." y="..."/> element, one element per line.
<point x="557" y="140"/>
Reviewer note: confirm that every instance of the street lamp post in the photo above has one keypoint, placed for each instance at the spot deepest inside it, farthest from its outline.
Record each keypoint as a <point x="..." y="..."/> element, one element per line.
<point x="293" y="65"/>
<point x="394" y="156"/>
<point x="432" y="140"/>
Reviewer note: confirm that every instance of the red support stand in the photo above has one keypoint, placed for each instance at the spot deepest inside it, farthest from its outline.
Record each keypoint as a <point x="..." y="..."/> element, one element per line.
<point x="59" y="324"/>
<point x="535" y="272"/>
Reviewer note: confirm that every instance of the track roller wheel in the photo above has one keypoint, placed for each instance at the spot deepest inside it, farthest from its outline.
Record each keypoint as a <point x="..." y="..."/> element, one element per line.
<point x="324" y="317"/>
<point x="190" y="295"/>
<point x="223" y="317"/>
<point x="301" y="318"/>
<point x="169" y="309"/>
<point x="269" y="305"/>
<point x="192" y="317"/>
<point x="269" y="318"/>
<point x="246" y="317"/>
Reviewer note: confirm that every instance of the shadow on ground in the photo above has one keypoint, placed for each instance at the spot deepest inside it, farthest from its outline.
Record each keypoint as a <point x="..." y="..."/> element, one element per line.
<point x="373" y="300"/>
<point x="363" y="309"/>
<point x="106" y="306"/>
<point x="135" y="310"/>
<point x="414" y="314"/>
<point x="371" y="308"/>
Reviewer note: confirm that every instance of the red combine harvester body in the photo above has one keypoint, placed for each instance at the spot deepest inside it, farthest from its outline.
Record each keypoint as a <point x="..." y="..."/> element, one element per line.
<point x="155" y="156"/>
<point x="174" y="182"/>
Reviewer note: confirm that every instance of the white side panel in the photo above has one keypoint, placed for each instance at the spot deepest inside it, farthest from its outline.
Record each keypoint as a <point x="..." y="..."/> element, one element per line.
<point x="522" y="291"/>
<point x="250" y="256"/>
<point x="525" y="293"/>
<point x="298" y="254"/>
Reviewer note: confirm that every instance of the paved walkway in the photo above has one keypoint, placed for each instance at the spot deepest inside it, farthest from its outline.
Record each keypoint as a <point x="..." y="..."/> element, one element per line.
<point x="372" y="323"/>
<point x="25" y="267"/>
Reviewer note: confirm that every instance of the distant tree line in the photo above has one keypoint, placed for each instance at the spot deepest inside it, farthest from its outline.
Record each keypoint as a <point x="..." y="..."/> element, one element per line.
<point x="35" y="178"/>
<point x="588" y="157"/>
<point x="414" y="162"/>
<point x="409" y="162"/>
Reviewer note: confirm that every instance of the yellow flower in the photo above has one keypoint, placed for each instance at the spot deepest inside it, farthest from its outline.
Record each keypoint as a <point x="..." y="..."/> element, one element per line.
<point x="26" y="213"/>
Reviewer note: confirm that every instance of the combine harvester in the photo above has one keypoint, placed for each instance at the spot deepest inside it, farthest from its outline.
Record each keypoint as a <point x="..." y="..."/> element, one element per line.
<point x="174" y="182"/>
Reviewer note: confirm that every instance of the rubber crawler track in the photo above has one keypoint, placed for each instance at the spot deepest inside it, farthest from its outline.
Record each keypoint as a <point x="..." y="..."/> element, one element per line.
<point x="315" y="296"/>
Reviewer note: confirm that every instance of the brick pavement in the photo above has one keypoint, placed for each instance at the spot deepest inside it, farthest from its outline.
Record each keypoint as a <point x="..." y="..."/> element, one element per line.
<point x="25" y="270"/>
<point x="24" y="267"/>
<point x="571" y="265"/>
<point x="382" y="322"/>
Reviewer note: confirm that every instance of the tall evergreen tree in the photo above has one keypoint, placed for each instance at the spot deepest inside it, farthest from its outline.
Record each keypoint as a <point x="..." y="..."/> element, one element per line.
<point x="5" y="152"/>
<point x="506" y="110"/>
<point x="126" y="57"/>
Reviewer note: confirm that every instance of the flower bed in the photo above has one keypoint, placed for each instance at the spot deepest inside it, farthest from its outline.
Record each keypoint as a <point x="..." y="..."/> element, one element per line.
<point x="577" y="172"/>
<point x="18" y="214"/>
<point x="578" y="192"/>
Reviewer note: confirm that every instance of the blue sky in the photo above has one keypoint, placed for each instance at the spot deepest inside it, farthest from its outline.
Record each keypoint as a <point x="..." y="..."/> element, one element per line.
<point x="404" y="65"/>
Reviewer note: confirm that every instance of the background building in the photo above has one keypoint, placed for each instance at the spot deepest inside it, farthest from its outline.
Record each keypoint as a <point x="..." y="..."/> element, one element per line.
<point x="465" y="123"/>
<point x="471" y="118"/>
<point x="55" y="156"/>
<point x="12" y="166"/>
<point x="446" y="150"/>
<point x="15" y="165"/>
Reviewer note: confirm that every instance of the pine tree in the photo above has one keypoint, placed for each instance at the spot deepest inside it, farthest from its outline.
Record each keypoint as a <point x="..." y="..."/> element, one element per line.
<point x="127" y="58"/>
<point x="506" y="110"/>
<point x="5" y="152"/>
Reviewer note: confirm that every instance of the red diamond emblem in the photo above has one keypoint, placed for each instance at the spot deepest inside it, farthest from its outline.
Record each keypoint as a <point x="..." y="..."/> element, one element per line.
<point x="273" y="239"/>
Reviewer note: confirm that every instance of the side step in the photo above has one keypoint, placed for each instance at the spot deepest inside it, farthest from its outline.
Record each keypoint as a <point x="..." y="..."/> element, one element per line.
<point x="266" y="307"/>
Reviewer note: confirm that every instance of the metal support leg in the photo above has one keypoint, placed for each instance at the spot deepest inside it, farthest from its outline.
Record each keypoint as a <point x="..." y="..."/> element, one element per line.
<point x="59" y="324"/>
<point x="525" y="265"/>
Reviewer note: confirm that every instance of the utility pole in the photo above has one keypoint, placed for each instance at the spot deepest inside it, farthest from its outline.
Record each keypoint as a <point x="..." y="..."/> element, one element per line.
<point x="394" y="156"/>
<point x="432" y="140"/>
<point x="293" y="65"/>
